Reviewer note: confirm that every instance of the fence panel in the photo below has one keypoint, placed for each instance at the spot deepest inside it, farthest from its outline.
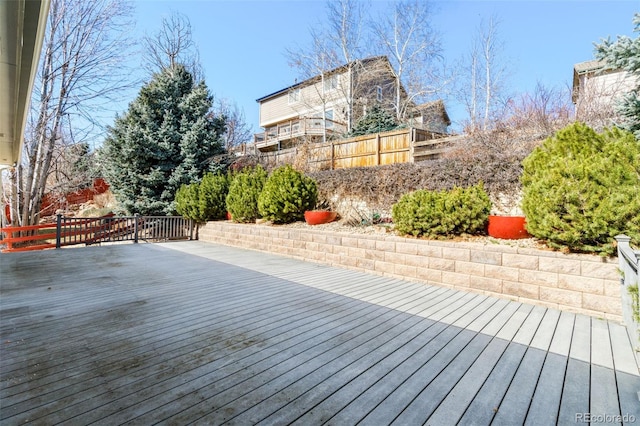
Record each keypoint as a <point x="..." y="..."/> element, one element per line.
<point x="398" y="146"/>
<point x="164" y="228"/>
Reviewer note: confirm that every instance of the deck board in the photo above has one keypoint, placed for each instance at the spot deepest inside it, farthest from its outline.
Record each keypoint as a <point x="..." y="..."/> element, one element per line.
<point x="545" y="404"/>
<point x="193" y="332"/>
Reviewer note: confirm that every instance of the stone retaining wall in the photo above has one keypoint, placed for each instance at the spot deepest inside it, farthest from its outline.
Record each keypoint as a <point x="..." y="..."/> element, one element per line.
<point x="578" y="283"/>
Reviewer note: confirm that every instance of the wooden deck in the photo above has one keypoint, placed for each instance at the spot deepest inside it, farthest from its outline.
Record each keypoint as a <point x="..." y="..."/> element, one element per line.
<point x="190" y="332"/>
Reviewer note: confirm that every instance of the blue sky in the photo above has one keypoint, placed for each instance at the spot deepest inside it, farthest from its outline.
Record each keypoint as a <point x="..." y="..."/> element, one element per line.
<point x="242" y="42"/>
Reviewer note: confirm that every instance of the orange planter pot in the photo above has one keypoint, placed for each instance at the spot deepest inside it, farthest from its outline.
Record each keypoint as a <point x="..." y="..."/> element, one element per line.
<point x="507" y="227"/>
<point x="317" y="217"/>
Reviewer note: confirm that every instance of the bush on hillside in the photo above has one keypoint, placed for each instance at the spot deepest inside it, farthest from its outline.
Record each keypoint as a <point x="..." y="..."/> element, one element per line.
<point x="244" y="190"/>
<point x="286" y="195"/>
<point x="441" y="213"/>
<point x="213" y="192"/>
<point x="581" y="189"/>
<point x="494" y="158"/>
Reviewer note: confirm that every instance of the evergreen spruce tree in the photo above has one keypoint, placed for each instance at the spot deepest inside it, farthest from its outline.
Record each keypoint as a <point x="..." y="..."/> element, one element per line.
<point x="376" y="120"/>
<point x="166" y="139"/>
<point x="624" y="54"/>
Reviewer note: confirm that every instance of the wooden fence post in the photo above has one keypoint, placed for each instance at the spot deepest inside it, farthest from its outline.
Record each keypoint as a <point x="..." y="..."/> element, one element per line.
<point x="412" y="141"/>
<point x="333" y="155"/>
<point x="377" y="149"/>
<point x="58" y="230"/>
<point x="135" y="228"/>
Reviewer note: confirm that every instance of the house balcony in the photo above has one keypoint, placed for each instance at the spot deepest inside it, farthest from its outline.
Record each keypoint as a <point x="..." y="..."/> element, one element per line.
<point x="284" y="133"/>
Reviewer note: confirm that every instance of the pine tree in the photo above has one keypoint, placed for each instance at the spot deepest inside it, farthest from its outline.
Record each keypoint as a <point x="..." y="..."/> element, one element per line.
<point x="376" y="120"/>
<point x="244" y="190"/>
<point x="624" y="54"/>
<point x="580" y="189"/>
<point x="166" y="139"/>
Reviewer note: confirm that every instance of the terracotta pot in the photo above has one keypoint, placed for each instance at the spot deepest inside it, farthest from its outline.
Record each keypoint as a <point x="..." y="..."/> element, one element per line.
<point x="317" y="217"/>
<point x="507" y="227"/>
<point x="229" y="216"/>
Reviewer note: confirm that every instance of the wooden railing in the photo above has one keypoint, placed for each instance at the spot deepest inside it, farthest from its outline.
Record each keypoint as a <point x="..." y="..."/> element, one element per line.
<point x="297" y="128"/>
<point x="629" y="265"/>
<point x="106" y="229"/>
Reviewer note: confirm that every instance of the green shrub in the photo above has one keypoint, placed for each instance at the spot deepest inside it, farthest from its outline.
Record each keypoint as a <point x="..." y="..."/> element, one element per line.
<point x="376" y="120"/>
<point x="286" y="195"/>
<point x="188" y="202"/>
<point x="441" y="213"/>
<point x="212" y="197"/>
<point x="581" y="189"/>
<point x="244" y="190"/>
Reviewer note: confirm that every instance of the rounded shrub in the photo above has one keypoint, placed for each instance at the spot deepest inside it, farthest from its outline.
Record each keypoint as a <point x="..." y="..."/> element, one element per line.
<point x="213" y="195"/>
<point x="244" y="190"/>
<point x="286" y="195"/>
<point x="581" y="189"/>
<point x="188" y="202"/>
<point x="441" y="213"/>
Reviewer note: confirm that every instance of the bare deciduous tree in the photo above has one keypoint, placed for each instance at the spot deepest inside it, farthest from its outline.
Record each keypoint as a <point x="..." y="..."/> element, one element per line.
<point x="483" y="90"/>
<point x="172" y="45"/>
<point x="540" y="114"/>
<point x="237" y="131"/>
<point x="345" y="20"/>
<point x="334" y="44"/>
<point x="407" y="38"/>
<point x="82" y="61"/>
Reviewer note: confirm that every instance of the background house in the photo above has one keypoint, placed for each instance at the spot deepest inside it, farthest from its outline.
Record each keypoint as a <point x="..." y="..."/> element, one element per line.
<point x="324" y="107"/>
<point x="596" y="90"/>
<point x="431" y="116"/>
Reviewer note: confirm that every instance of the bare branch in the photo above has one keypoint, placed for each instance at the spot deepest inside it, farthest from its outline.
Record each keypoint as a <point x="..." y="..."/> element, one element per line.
<point x="81" y="64"/>
<point x="172" y="45"/>
<point x="414" y="49"/>
<point x="237" y="131"/>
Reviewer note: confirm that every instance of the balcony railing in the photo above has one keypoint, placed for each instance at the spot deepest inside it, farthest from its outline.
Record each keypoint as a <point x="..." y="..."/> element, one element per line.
<point x="295" y="129"/>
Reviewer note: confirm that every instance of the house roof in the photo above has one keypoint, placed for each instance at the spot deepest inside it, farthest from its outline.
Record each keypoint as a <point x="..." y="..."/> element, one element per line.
<point x="313" y="79"/>
<point x="21" y="38"/>
<point x="588" y="67"/>
<point x="437" y="106"/>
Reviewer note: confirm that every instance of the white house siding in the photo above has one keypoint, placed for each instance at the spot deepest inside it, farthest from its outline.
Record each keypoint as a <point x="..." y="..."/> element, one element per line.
<point x="279" y="109"/>
<point x="599" y="92"/>
<point x="276" y="109"/>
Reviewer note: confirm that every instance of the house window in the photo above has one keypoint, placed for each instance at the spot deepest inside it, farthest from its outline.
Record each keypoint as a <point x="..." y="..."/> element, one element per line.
<point x="329" y="116"/>
<point x="331" y="83"/>
<point x="379" y="93"/>
<point x="294" y="96"/>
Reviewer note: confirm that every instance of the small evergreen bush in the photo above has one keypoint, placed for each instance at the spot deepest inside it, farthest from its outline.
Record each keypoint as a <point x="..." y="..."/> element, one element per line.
<point x="376" y="120"/>
<point x="286" y="195"/>
<point x="442" y="213"/>
<point x="581" y="189"/>
<point x="212" y="196"/>
<point x="244" y="190"/>
<point x="188" y="202"/>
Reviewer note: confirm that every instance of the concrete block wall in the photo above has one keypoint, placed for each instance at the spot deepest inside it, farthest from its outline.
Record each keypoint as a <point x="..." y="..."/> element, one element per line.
<point x="578" y="283"/>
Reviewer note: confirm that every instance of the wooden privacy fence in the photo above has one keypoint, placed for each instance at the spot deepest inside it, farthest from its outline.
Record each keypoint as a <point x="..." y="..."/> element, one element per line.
<point x="398" y="146"/>
<point x="71" y="231"/>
